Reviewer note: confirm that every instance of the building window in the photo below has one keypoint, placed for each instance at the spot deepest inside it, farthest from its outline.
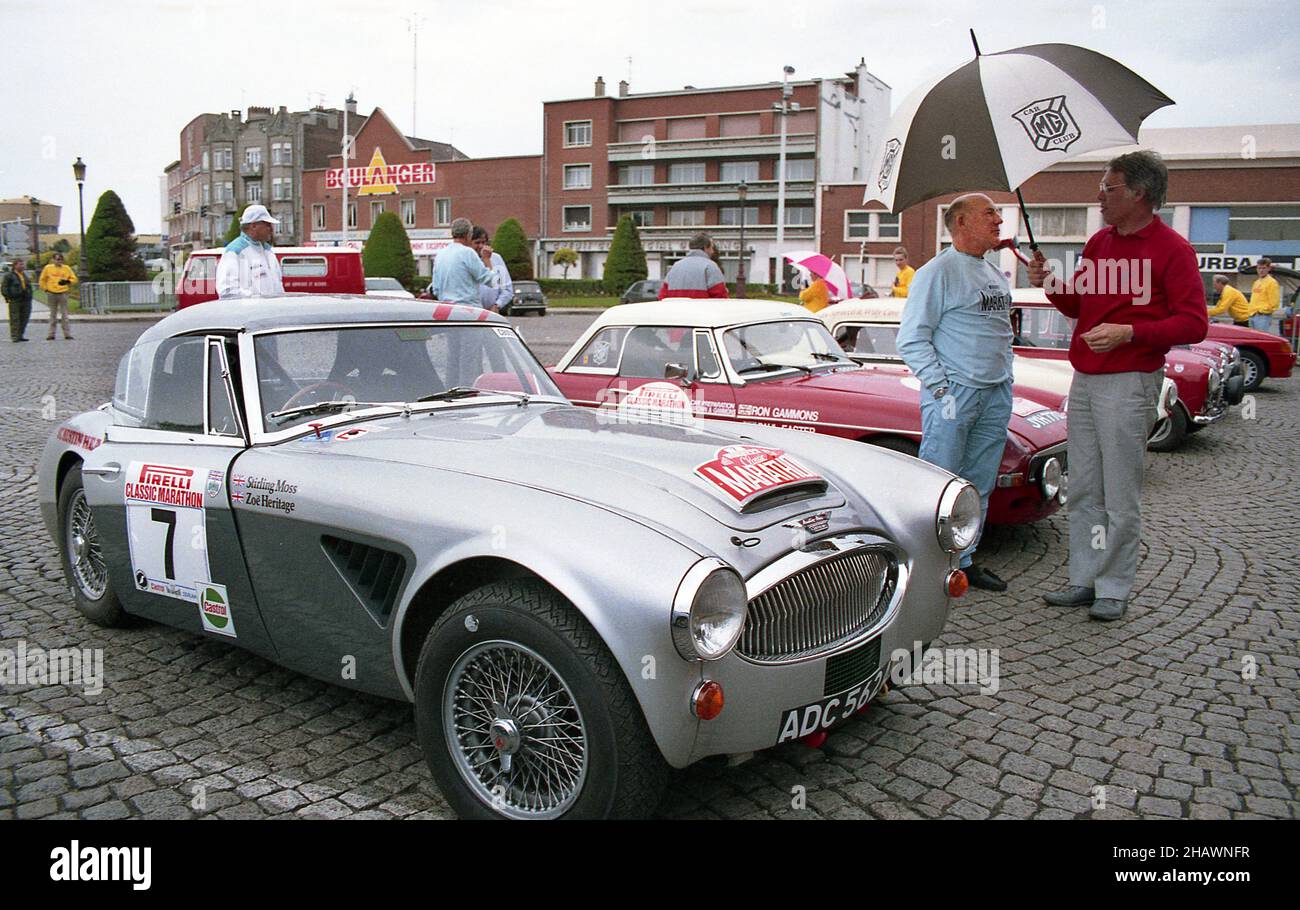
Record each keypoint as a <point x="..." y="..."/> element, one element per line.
<point x="576" y="133"/>
<point x="253" y="155"/>
<point x="282" y="189"/>
<point x="799" y="168"/>
<point x="871" y="226"/>
<point x="206" y="194"/>
<point x="685" y="217"/>
<point x="285" y="228"/>
<point x="798" y="216"/>
<point x="641" y="217"/>
<point x="738" y="125"/>
<point x="1264" y="222"/>
<point x="730" y="215"/>
<point x="408" y="213"/>
<point x="226" y="158"/>
<point x="442" y="212"/>
<point x="352" y="214"/>
<point x="205" y="160"/>
<point x="686" y="128"/>
<point x="736" y="171"/>
<point x="282" y="153"/>
<point x="228" y="192"/>
<point x="636" y="175"/>
<point x="318" y="217"/>
<point x="376" y="209"/>
<point x="686" y="172"/>
<point x="253" y="191"/>
<point x="577" y="217"/>
<point x="1058" y="221"/>
<point x="577" y="176"/>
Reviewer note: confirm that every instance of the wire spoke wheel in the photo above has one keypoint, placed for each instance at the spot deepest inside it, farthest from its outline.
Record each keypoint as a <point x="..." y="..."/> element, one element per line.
<point x="84" y="553"/>
<point x="514" y="730"/>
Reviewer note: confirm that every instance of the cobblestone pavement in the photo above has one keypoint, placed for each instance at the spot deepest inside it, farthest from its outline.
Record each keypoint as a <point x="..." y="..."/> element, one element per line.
<point x="1154" y="709"/>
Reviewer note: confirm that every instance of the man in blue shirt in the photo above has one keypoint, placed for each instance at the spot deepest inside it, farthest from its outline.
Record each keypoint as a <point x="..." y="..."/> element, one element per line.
<point x="458" y="272"/>
<point x="955" y="335"/>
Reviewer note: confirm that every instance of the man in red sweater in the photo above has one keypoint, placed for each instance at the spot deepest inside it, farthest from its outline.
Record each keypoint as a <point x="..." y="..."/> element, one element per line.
<point x="1136" y="293"/>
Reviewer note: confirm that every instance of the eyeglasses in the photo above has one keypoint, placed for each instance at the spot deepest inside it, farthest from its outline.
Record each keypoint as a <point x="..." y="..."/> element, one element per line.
<point x="1106" y="188"/>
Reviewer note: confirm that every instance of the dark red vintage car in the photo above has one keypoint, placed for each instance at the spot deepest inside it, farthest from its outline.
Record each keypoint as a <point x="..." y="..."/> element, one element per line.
<point x="305" y="270"/>
<point x="759" y="361"/>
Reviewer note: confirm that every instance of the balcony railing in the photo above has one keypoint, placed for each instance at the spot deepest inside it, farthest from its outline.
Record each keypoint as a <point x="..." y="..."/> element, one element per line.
<point x="636" y="151"/>
<point x="250" y="169"/>
<point x="715" y="191"/>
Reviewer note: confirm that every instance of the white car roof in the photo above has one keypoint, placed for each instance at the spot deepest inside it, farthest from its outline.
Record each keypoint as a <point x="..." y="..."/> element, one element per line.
<point x="700" y="313"/>
<point x="283" y="250"/>
<point x="884" y="309"/>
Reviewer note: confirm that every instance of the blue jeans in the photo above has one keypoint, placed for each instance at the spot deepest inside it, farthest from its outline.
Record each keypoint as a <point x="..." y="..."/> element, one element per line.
<point x="1262" y="321"/>
<point x="965" y="432"/>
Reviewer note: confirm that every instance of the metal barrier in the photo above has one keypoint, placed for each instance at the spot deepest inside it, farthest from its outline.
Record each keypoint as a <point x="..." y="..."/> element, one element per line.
<point x="124" y="296"/>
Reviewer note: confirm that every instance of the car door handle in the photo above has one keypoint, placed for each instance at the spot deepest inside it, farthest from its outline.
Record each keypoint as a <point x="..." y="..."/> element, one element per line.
<point x="112" y="469"/>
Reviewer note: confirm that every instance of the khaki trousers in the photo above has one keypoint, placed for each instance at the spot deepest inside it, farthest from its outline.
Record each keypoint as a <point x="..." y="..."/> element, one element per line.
<point x="58" y="304"/>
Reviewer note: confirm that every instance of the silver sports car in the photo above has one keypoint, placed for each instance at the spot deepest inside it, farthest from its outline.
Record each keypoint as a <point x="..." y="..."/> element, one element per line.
<point x="397" y="499"/>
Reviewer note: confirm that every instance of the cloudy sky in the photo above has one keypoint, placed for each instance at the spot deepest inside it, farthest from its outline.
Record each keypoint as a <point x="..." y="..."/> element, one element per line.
<point x="115" y="82"/>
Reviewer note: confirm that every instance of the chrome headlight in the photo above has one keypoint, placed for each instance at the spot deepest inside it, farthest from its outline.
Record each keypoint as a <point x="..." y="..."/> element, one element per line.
<point x="1051" y="479"/>
<point x="1173" y="394"/>
<point x="709" y="611"/>
<point x="958" y="521"/>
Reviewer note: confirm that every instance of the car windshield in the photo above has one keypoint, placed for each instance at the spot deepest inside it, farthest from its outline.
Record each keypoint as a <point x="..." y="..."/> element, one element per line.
<point x="1041" y="327"/>
<point x="527" y="286"/>
<point x="876" y="341"/>
<point x="384" y="284"/>
<point x="797" y="343"/>
<point x="339" y="366"/>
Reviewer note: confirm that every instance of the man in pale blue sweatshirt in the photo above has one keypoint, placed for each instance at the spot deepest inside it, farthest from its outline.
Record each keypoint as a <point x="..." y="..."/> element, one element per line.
<point x="955" y="335"/>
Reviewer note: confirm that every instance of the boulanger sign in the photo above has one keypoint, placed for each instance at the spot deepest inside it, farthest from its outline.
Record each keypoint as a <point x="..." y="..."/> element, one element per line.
<point x="378" y="177"/>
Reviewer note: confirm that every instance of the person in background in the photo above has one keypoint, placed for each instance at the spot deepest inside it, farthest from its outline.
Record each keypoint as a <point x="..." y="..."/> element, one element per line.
<point x="816" y="296"/>
<point x="458" y="272"/>
<point x="1265" y="296"/>
<point x="56" y="280"/>
<point x="697" y="275"/>
<point x="500" y="290"/>
<point x="248" y="266"/>
<point x="955" y="336"/>
<point x="1231" y="301"/>
<point x="905" y="272"/>
<point x="17" y="291"/>
<point x="1118" y="350"/>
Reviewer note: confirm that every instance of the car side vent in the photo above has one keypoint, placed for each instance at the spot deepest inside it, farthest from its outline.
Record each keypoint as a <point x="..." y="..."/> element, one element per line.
<point x="375" y="575"/>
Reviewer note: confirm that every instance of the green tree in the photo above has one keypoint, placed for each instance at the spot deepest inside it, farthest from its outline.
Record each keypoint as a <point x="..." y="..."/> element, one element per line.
<point x="626" y="261"/>
<point x="62" y="245"/>
<point x="387" y="253"/>
<point x="565" y="258"/>
<point x="511" y="242"/>
<point x="110" y="243"/>
<point x="234" y="230"/>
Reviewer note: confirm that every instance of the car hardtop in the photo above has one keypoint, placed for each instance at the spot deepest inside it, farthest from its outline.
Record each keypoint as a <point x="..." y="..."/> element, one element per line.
<point x="692" y="312"/>
<point x="260" y="314"/>
<point x="287" y="251"/>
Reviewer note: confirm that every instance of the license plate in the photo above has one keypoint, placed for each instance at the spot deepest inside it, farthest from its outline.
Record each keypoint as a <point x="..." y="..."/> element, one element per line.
<point x="797" y="723"/>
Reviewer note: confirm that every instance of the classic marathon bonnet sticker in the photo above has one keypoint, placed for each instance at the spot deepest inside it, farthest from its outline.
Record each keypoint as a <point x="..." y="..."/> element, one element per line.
<point x="744" y="473"/>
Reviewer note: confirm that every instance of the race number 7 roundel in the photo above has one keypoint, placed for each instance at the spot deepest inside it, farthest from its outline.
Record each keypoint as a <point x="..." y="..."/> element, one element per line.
<point x="166" y="531"/>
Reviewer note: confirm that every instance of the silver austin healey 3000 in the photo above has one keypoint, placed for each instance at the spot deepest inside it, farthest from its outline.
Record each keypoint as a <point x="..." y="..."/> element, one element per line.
<point x="397" y="499"/>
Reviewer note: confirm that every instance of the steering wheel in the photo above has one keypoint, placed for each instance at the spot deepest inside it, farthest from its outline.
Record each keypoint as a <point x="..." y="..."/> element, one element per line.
<point x="300" y="396"/>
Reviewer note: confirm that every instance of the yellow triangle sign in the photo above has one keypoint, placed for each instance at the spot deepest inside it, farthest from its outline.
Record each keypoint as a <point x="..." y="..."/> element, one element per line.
<point x="377" y="178"/>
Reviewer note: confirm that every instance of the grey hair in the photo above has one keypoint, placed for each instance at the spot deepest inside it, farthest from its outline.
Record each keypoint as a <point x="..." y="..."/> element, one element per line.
<point x="1224" y="278"/>
<point x="956" y="208"/>
<point x="700" y="241"/>
<point x="461" y="227"/>
<point x="1144" y="170"/>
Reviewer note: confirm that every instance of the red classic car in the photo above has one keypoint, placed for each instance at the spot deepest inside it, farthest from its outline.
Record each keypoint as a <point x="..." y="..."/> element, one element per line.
<point x="1262" y="355"/>
<point x="760" y="361"/>
<point x="1205" y="373"/>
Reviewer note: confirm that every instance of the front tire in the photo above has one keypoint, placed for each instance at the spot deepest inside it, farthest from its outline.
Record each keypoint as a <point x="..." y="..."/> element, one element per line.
<point x="83" y="557"/>
<point x="522" y="712"/>
<point x="1256" y="368"/>
<point x="1170" y="433"/>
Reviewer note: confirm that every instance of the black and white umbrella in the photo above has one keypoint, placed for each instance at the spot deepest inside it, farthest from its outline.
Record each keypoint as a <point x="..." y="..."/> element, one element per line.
<point x="994" y="122"/>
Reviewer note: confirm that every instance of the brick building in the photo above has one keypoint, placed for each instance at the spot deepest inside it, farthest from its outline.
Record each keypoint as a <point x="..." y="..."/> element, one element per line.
<point x="1233" y="193"/>
<point x="674" y="162"/>
<point x="228" y="160"/>
<point x="425" y="183"/>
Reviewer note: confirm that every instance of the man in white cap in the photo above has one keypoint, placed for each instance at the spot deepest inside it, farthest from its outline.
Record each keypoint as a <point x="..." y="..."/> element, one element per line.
<point x="248" y="267"/>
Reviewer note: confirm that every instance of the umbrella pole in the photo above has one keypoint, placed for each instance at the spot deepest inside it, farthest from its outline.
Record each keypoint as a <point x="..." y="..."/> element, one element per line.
<point x="1024" y="216"/>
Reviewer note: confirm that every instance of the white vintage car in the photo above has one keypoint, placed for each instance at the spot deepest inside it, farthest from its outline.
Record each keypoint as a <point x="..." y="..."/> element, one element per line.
<point x="867" y="331"/>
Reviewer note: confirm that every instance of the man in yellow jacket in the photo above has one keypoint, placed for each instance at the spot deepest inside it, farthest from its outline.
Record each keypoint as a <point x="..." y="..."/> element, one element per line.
<point x="1231" y="301"/>
<point x="1265" y="296"/>
<point x="56" y="279"/>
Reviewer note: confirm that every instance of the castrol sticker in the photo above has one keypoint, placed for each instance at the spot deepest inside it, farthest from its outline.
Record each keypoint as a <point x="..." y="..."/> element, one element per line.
<point x="742" y="473"/>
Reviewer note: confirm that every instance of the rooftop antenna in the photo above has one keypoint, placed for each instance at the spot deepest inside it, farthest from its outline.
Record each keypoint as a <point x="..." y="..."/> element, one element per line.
<point x="413" y="26"/>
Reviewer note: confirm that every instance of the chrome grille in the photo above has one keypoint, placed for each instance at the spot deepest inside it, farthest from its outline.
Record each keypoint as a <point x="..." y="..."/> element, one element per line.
<point x="820" y="607"/>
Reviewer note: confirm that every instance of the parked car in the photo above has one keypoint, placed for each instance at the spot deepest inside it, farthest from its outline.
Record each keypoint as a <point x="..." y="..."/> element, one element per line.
<point x="867" y="330"/>
<point x="775" y="364"/>
<point x="387" y="287"/>
<point x="305" y="270"/>
<point x="642" y="292"/>
<point x="528" y="298"/>
<point x="394" y="497"/>
<point x="1264" y="355"/>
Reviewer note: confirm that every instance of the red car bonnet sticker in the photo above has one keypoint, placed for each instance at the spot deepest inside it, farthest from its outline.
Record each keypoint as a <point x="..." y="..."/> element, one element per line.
<point x="743" y="473"/>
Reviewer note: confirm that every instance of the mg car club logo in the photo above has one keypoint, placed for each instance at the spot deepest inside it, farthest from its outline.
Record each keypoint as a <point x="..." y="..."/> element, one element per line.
<point x="1049" y="123"/>
<point x="887" y="164"/>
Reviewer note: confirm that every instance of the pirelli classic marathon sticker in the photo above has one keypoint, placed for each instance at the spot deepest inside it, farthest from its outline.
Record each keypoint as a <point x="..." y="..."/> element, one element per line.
<point x="166" y="530"/>
<point x="743" y="473"/>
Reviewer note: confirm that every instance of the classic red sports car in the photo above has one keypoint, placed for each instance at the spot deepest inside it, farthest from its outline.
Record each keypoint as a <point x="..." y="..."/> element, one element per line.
<point x="1263" y="355"/>
<point x="764" y="362"/>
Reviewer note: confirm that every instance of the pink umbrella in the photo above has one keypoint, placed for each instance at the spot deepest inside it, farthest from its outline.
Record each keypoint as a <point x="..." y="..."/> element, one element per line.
<point x="825" y="268"/>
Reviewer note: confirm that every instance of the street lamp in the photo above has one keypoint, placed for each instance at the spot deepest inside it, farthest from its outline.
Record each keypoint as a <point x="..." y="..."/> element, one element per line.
<point x="783" y="109"/>
<point x="743" y="192"/>
<point x="79" y="172"/>
<point x="36" y="229"/>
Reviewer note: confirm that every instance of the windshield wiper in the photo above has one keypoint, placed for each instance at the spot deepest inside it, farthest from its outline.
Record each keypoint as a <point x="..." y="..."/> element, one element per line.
<point x="831" y="358"/>
<point x="320" y="407"/>
<point x="767" y="367"/>
<point x="464" y="391"/>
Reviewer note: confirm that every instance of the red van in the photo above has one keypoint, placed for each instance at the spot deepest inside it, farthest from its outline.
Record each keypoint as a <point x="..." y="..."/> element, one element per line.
<point x="305" y="269"/>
